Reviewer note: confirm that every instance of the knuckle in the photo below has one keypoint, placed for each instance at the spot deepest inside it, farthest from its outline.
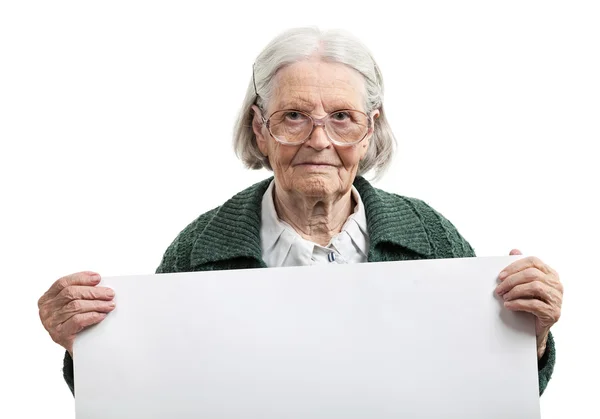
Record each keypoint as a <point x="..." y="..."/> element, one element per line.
<point x="538" y="289"/>
<point x="73" y="305"/>
<point x="80" y="319"/>
<point x="75" y="321"/>
<point x="44" y="314"/>
<point x="548" y="295"/>
<point x="68" y="293"/>
<point x="62" y="283"/>
<point x="56" y="332"/>
<point x="559" y="300"/>
<point x="92" y="318"/>
<point x="530" y="273"/>
<point x="537" y="262"/>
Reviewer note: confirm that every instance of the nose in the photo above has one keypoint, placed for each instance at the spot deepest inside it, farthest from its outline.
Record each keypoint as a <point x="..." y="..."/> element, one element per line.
<point x="318" y="138"/>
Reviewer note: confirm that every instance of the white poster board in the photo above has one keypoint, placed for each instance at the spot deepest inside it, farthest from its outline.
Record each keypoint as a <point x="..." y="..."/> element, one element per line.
<point x="417" y="339"/>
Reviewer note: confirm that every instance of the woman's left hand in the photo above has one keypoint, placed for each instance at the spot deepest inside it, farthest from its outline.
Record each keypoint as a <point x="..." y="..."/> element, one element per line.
<point x="530" y="285"/>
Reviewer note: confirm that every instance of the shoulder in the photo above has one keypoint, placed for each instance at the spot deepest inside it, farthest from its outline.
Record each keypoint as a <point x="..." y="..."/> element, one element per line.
<point x="177" y="256"/>
<point x="223" y="223"/>
<point x="444" y="237"/>
<point x="414" y="223"/>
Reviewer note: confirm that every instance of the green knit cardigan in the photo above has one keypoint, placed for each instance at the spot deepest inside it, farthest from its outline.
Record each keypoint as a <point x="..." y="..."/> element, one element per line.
<point x="400" y="228"/>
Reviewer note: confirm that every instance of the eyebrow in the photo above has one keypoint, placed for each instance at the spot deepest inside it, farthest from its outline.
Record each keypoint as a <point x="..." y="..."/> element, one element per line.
<point x="305" y="105"/>
<point x="296" y="103"/>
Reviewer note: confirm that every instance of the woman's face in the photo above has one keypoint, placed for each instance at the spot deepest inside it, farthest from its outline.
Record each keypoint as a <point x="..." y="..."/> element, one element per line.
<point x="317" y="168"/>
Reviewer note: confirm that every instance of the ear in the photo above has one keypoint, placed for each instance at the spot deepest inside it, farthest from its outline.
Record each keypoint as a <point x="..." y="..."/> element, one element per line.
<point x="375" y="114"/>
<point x="364" y="146"/>
<point x="257" y="127"/>
<point x="365" y="143"/>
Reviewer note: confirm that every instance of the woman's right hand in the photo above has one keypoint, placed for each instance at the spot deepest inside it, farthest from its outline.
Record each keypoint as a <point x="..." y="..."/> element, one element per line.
<point x="73" y="303"/>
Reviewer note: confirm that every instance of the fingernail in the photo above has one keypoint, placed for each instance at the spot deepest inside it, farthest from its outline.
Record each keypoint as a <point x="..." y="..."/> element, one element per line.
<point x="112" y="304"/>
<point x="502" y="275"/>
<point x="95" y="277"/>
<point x="110" y="293"/>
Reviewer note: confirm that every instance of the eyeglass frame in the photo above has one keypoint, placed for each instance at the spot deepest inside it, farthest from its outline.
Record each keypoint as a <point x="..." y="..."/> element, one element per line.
<point x="315" y="123"/>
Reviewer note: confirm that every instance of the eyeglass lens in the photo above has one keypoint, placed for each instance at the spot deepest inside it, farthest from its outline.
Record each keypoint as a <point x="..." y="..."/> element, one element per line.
<point x="344" y="127"/>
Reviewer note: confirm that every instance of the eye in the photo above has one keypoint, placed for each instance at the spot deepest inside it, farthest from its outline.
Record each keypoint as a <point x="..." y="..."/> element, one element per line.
<point x="340" y="116"/>
<point x="294" y="116"/>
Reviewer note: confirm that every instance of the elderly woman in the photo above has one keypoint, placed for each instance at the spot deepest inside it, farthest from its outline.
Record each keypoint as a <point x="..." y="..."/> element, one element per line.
<point x="313" y="114"/>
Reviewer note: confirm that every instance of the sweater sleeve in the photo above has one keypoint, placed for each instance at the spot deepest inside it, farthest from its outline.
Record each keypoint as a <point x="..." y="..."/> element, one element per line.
<point x="68" y="372"/>
<point x="546" y="364"/>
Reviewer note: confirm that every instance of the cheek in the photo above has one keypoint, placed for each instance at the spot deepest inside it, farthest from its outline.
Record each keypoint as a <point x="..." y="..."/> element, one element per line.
<point x="281" y="156"/>
<point x="350" y="157"/>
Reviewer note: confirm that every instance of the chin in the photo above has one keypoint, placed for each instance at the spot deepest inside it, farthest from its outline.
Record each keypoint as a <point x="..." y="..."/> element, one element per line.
<point x="317" y="185"/>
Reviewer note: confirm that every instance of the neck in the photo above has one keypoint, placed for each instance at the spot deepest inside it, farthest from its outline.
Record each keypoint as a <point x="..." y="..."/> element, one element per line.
<point x="315" y="219"/>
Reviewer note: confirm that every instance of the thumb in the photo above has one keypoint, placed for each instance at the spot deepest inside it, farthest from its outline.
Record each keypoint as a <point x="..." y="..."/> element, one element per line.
<point x="515" y="252"/>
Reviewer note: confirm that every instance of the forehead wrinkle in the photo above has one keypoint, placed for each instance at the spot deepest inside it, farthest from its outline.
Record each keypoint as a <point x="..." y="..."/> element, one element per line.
<point x="302" y="100"/>
<point x="328" y="102"/>
<point x="340" y="99"/>
<point x="341" y="92"/>
<point x="307" y="90"/>
<point x="293" y="92"/>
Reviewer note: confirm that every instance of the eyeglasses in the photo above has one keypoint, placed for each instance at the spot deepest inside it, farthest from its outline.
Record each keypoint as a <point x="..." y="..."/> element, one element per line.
<point x="345" y="127"/>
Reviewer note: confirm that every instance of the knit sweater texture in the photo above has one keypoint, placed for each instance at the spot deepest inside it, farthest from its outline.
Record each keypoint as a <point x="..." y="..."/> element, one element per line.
<point x="400" y="228"/>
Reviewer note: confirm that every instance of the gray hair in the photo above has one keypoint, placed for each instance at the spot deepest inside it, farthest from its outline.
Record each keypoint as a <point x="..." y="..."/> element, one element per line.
<point x="300" y="44"/>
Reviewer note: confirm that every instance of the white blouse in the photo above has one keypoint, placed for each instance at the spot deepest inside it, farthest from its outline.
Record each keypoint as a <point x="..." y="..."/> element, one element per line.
<point x="282" y="246"/>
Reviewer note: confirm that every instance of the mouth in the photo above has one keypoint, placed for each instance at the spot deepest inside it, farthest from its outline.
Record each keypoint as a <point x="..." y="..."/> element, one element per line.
<point x="316" y="167"/>
<point x="311" y="163"/>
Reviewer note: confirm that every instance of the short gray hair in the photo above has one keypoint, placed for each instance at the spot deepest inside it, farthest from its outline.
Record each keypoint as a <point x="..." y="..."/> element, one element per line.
<point x="300" y="44"/>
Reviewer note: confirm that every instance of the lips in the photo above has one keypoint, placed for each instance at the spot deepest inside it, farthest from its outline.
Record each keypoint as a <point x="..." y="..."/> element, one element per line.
<point x="311" y="163"/>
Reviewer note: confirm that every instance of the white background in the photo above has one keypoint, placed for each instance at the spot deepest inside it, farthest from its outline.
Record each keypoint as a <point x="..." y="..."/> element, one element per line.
<point x="116" y="122"/>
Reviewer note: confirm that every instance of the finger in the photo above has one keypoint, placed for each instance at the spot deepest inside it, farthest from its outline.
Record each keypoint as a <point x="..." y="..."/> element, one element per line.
<point x="49" y="310"/>
<point x="77" y="292"/>
<point x="546" y="314"/>
<point x="80" y="278"/>
<point x="515" y="252"/>
<point x="521" y="264"/>
<point x="79" y="322"/>
<point x="83" y="306"/>
<point x="535" y="289"/>
<point x="534" y="306"/>
<point x="522" y="277"/>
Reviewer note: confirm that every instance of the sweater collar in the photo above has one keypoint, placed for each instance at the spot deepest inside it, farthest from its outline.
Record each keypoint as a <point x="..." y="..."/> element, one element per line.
<point x="392" y="219"/>
<point x="234" y="230"/>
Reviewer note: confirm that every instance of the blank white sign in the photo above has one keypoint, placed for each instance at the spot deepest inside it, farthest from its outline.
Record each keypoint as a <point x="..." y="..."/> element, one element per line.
<point x="416" y="339"/>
